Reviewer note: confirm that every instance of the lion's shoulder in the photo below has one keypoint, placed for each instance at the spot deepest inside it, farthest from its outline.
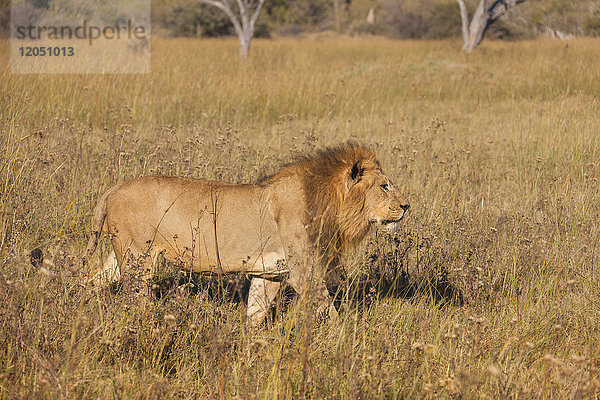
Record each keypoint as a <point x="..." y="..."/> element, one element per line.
<point x="315" y="186"/>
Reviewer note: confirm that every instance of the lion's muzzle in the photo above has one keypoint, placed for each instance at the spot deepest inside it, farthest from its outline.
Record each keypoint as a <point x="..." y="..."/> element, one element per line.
<point x="391" y="224"/>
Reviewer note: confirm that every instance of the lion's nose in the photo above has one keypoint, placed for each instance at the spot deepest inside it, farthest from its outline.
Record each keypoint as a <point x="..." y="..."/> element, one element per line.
<point x="405" y="206"/>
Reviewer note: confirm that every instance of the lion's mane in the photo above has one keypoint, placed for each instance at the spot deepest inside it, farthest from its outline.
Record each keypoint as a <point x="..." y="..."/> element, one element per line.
<point x="335" y="217"/>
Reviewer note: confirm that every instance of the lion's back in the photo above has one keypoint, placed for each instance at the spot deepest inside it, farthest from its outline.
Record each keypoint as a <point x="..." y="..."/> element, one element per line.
<point x="179" y="213"/>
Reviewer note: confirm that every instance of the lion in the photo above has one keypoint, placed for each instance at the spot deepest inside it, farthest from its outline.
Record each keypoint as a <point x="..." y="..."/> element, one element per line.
<point x="294" y="224"/>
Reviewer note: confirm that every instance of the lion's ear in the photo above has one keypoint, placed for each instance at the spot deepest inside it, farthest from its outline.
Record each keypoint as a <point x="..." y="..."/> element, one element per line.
<point x="356" y="173"/>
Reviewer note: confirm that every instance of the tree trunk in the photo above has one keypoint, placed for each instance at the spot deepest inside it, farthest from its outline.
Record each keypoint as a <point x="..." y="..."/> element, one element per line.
<point x="464" y="19"/>
<point x="244" y="24"/>
<point x="487" y="12"/>
<point x="244" y="47"/>
<point x="479" y="24"/>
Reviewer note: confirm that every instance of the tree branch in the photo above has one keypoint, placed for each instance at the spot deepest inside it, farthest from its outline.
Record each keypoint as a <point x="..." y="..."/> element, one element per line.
<point x="243" y="18"/>
<point x="224" y="6"/>
<point x="256" y="12"/>
<point x="500" y="7"/>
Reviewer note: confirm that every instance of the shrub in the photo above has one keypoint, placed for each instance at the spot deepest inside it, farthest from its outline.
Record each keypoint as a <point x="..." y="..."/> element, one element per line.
<point x="362" y="26"/>
<point x="444" y="20"/>
<point x="297" y="16"/>
<point x="185" y="18"/>
<point x="591" y="26"/>
<point x="433" y="19"/>
<point x="4" y="20"/>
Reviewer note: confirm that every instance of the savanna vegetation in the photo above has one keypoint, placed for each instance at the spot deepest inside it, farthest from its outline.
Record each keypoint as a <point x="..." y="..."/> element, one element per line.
<point x="489" y="290"/>
<point x="404" y="19"/>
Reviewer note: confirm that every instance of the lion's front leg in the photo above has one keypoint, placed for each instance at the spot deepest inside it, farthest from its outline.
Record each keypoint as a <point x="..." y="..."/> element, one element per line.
<point x="311" y="287"/>
<point x="306" y="274"/>
<point x="260" y="298"/>
<point x="324" y="301"/>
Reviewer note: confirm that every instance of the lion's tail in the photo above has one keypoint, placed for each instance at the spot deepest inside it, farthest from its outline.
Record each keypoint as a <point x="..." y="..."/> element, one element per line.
<point x="97" y="225"/>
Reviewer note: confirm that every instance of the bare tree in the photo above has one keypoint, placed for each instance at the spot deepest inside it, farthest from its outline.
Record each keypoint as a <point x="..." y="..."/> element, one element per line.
<point x="243" y="23"/>
<point x="487" y="12"/>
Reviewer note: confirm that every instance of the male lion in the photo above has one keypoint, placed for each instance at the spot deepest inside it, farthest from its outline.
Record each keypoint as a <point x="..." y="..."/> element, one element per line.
<point x="294" y="223"/>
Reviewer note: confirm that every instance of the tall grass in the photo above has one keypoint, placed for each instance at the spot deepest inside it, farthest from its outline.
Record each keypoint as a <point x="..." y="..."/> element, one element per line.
<point x="497" y="151"/>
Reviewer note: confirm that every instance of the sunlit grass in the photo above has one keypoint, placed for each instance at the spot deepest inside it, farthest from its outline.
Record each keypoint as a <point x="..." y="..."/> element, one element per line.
<point x="497" y="151"/>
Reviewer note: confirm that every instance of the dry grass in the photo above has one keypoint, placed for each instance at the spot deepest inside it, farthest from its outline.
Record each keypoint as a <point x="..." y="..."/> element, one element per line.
<point x="498" y="152"/>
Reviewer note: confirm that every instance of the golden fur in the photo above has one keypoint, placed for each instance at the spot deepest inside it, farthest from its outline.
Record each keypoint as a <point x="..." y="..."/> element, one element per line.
<point x="335" y="220"/>
<point x="294" y="223"/>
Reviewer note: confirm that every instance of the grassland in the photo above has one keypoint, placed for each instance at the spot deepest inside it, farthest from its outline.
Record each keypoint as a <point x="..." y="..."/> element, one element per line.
<point x="498" y="152"/>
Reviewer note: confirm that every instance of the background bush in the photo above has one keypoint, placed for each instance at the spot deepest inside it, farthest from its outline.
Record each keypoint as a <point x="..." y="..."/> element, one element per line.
<point x="402" y="19"/>
<point x="591" y="26"/>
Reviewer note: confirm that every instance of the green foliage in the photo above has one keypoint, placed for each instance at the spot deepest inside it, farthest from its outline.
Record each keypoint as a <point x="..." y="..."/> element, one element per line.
<point x="591" y="26"/>
<point x="558" y="15"/>
<point x="302" y="14"/>
<point x="508" y="29"/>
<point x="4" y="18"/>
<point x="405" y="19"/>
<point x="40" y="3"/>
<point x="109" y="11"/>
<point x="444" y="20"/>
<point x="190" y="18"/>
<point x="402" y="22"/>
<point x="430" y="19"/>
<point x="362" y="26"/>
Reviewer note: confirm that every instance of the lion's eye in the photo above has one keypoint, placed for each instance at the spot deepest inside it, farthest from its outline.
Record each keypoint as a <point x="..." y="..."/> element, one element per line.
<point x="385" y="187"/>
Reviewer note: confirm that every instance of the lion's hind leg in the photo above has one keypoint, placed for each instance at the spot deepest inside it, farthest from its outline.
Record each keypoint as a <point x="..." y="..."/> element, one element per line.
<point x="108" y="274"/>
<point x="260" y="298"/>
<point x="138" y="272"/>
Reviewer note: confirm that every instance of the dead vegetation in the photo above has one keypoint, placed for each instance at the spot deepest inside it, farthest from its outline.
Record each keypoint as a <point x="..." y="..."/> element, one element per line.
<point x="489" y="290"/>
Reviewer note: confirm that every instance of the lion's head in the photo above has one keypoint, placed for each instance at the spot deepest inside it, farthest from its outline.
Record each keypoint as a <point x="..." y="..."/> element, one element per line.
<point x="383" y="203"/>
<point x="347" y="192"/>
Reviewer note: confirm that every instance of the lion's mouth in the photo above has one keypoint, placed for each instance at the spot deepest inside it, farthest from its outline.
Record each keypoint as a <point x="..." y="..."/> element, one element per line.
<point x="394" y="220"/>
<point x="391" y="221"/>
